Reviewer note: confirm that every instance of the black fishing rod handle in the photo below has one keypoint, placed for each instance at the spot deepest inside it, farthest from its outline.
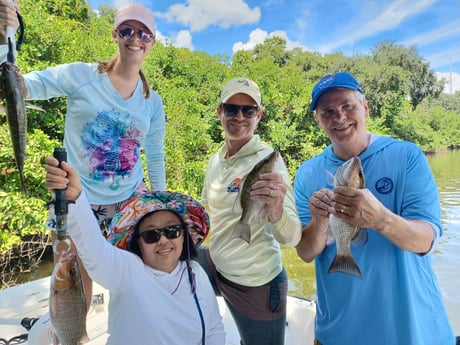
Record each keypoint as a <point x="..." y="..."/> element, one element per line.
<point x="60" y="203"/>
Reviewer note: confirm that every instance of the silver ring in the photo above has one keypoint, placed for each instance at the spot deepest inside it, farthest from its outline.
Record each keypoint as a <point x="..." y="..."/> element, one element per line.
<point x="270" y="194"/>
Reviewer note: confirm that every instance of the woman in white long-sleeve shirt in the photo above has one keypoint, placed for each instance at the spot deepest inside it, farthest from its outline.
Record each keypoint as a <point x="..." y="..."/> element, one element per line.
<point x="157" y="294"/>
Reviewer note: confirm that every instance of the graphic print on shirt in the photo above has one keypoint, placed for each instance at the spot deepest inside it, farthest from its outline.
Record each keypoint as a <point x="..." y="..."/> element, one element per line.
<point x="234" y="186"/>
<point x="110" y="146"/>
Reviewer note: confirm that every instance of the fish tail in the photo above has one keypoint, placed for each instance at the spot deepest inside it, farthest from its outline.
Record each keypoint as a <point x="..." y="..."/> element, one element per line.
<point x="345" y="264"/>
<point x="243" y="231"/>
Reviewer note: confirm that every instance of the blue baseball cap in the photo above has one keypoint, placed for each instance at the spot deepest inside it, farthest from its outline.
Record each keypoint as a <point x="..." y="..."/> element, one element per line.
<point x="340" y="80"/>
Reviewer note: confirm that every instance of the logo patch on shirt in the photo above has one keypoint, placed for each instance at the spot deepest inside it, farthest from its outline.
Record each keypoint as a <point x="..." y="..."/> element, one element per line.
<point x="234" y="186"/>
<point x="384" y="185"/>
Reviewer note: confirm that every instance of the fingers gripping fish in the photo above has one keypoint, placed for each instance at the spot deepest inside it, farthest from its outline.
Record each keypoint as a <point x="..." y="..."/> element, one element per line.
<point x="252" y="210"/>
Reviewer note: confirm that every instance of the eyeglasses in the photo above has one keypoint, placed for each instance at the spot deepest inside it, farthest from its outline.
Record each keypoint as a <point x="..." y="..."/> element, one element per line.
<point x="128" y="33"/>
<point x="232" y="110"/>
<point x="152" y="236"/>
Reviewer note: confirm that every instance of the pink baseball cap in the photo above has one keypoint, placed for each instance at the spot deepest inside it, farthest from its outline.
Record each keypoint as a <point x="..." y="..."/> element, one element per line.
<point x="135" y="12"/>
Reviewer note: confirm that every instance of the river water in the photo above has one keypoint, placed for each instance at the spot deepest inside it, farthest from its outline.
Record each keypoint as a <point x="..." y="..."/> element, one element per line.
<point x="446" y="258"/>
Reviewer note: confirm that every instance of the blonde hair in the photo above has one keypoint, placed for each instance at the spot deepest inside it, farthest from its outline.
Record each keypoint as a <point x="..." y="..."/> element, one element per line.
<point x="107" y="66"/>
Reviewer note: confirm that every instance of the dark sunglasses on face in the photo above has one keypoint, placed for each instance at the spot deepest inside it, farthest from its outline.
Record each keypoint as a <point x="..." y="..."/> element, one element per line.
<point x="232" y="110"/>
<point x="127" y="33"/>
<point x="170" y="232"/>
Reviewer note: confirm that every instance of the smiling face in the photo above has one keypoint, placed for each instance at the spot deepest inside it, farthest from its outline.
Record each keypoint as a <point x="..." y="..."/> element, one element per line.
<point x="164" y="254"/>
<point x="239" y="129"/>
<point x="133" y="48"/>
<point x="342" y="114"/>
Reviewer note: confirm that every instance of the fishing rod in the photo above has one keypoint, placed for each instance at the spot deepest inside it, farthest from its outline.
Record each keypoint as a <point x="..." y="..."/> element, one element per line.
<point x="61" y="206"/>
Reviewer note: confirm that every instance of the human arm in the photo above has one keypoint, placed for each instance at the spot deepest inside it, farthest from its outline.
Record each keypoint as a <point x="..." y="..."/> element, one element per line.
<point x="154" y="147"/>
<point x="98" y="256"/>
<point x="314" y="233"/>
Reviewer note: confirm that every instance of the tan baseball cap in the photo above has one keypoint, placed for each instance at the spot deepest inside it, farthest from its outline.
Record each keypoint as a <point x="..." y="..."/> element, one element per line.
<point x="135" y="12"/>
<point x="241" y="85"/>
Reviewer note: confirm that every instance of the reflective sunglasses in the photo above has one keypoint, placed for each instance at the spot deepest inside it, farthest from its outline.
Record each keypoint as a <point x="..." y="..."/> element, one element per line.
<point x="128" y="33"/>
<point x="170" y="232"/>
<point x="232" y="110"/>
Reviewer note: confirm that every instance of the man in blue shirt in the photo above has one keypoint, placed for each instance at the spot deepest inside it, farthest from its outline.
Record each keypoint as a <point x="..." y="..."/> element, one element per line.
<point x="397" y="300"/>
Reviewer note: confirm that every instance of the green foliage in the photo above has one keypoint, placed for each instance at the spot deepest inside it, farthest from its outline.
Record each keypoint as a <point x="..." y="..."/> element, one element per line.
<point x="22" y="215"/>
<point x="421" y="79"/>
<point x="401" y="89"/>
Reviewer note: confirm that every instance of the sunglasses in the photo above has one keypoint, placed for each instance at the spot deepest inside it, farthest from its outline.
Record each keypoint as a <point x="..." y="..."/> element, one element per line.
<point x="232" y="110"/>
<point x="170" y="232"/>
<point x="128" y="33"/>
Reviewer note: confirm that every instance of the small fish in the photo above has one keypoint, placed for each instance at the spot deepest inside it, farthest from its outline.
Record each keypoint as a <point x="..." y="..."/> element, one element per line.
<point x="349" y="174"/>
<point x="67" y="306"/>
<point x="16" y="114"/>
<point x="252" y="210"/>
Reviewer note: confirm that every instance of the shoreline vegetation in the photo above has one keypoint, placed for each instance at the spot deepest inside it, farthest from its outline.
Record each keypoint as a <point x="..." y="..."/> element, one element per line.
<point x="405" y="98"/>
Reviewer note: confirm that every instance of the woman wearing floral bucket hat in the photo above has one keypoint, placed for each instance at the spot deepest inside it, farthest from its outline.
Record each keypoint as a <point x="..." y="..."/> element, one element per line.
<point x="158" y="295"/>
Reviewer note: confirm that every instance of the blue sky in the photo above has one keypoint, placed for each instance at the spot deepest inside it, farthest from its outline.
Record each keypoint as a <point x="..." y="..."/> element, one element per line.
<point x="347" y="26"/>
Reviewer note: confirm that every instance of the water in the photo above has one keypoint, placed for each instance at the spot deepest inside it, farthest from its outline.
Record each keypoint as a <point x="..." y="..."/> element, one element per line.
<point x="446" y="169"/>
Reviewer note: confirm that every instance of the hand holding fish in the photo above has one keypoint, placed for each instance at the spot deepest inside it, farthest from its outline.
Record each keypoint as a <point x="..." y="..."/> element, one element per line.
<point x="62" y="177"/>
<point x="270" y="189"/>
<point x="358" y="207"/>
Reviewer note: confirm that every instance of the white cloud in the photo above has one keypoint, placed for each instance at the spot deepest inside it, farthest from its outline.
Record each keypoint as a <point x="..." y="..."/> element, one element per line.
<point x="258" y="36"/>
<point x="445" y="32"/>
<point x="374" y="20"/>
<point x="444" y="57"/>
<point x="200" y="14"/>
<point x="183" y="39"/>
<point x="453" y="82"/>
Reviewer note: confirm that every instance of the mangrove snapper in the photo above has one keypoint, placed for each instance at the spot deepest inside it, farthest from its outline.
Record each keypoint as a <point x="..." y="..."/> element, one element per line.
<point x="251" y="209"/>
<point x="67" y="306"/>
<point x="349" y="174"/>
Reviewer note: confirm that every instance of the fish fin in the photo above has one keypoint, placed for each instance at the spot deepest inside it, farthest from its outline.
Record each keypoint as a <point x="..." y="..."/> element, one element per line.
<point x="34" y="107"/>
<point x="54" y="337"/>
<point x="243" y="231"/>
<point x="330" y="236"/>
<point x="360" y="238"/>
<point x="345" y="264"/>
<point x="84" y="338"/>
<point x="237" y="203"/>
<point x="330" y="178"/>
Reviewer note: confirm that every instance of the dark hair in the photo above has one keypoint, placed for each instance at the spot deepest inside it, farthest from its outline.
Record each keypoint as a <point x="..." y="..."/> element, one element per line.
<point x="188" y="249"/>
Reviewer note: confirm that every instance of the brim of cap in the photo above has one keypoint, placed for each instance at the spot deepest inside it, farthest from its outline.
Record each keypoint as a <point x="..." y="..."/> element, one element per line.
<point x="317" y="96"/>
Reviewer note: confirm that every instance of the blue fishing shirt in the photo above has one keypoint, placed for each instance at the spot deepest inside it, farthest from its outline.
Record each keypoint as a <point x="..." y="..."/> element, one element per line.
<point x="398" y="300"/>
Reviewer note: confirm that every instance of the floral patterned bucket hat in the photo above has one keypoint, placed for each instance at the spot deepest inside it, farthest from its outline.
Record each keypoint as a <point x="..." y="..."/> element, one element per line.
<point x="190" y="210"/>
